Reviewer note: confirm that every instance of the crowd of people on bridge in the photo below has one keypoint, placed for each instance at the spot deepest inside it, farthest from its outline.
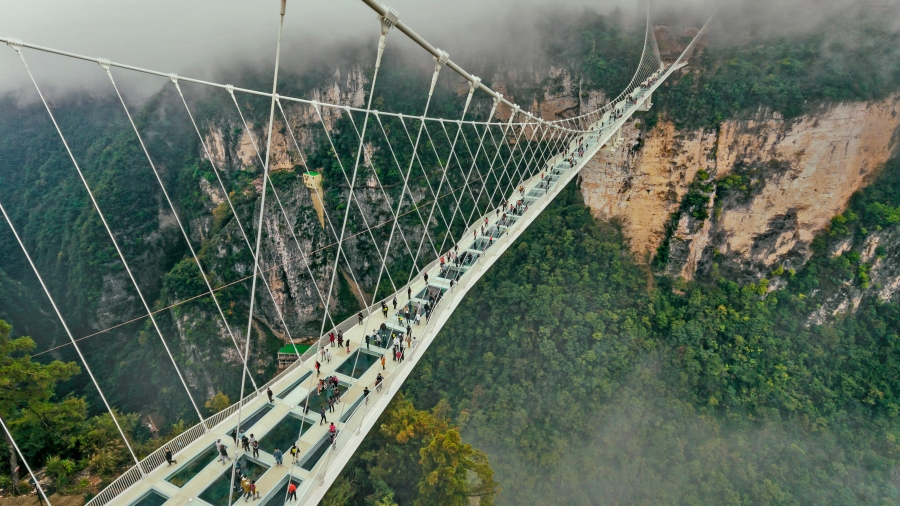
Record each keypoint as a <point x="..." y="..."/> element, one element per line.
<point x="396" y="340"/>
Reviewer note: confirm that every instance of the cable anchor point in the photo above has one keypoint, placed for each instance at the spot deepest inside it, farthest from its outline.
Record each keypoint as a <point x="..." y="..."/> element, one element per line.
<point x="389" y="19"/>
<point x="474" y="84"/>
<point x="104" y="62"/>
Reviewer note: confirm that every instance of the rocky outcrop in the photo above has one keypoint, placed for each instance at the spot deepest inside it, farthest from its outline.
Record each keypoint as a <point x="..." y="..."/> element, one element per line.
<point x="790" y="179"/>
<point x="642" y="182"/>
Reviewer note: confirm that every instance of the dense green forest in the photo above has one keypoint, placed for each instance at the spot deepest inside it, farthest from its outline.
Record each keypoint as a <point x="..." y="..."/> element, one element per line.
<point x="574" y="373"/>
<point x="587" y="380"/>
<point x="590" y="379"/>
<point x="847" y="58"/>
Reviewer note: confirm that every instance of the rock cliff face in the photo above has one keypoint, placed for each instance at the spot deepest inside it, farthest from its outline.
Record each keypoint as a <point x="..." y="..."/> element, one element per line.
<point x="770" y="185"/>
<point x="881" y="251"/>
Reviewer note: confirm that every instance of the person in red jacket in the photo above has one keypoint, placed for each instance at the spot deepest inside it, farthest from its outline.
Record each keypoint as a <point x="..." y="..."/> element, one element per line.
<point x="292" y="492"/>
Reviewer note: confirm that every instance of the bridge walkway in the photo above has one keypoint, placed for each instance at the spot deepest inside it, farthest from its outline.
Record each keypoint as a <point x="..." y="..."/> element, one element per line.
<point x="199" y="478"/>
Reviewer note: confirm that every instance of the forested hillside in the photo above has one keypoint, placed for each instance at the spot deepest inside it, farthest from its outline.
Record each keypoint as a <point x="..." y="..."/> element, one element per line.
<point x="573" y="373"/>
<point x="589" y="378"/>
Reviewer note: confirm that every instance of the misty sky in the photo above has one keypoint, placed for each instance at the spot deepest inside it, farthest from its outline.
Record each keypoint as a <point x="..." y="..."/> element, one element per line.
<point x="196" y="37"/>
<point x="193" y="37"/>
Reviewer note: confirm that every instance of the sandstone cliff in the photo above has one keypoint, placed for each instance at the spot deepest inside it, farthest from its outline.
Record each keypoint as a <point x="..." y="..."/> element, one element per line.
<point x="789" y="179"/>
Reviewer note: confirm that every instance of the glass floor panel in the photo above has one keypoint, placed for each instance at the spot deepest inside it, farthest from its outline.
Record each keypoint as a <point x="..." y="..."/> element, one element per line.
<point x="279" y="496"/>
<point x="358" y="363"/>
<point x="430" y="291"/>
<point x="469" y="258"/>
<point x="409" y="309"/>
<point x="493" y="232"/>
<point x="508" y="221"/>
<point x="287" y="391"/>
<point x="535" y="193"/>
<point x="384" y="336"/>
<point x="450" y="272"/>
<point x="398" y="320"/>
<point x="349" y="411"/>
<point x="313" y="456"/>
<point x="314" y="401"/>
<point x="217" y="493"/>
<point x="284" y="433"/>
<point x="248" y="422"/>
<point x="193" y="467"/>
<point x="151" y="498"/>
<point x="482" y="244"/>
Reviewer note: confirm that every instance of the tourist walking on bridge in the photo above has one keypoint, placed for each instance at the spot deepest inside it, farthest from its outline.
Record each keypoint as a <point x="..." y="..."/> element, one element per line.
<point x="278" y="456"/>
<point x="223" y="451"/>
<point x="245" y="486"/>
<point x="169" y="458"/>
<point x="292" y="492"/>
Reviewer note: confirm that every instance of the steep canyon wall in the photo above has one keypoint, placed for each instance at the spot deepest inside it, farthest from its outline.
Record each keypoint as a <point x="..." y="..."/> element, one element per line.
<point x="766" y="185"/>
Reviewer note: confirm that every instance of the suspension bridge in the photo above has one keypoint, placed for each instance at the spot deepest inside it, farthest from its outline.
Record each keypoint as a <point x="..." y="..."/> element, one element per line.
<point x="509" y="169"/>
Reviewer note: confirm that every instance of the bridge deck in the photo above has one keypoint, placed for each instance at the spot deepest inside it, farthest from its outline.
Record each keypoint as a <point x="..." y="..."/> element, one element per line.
<point x="198" y="478"/>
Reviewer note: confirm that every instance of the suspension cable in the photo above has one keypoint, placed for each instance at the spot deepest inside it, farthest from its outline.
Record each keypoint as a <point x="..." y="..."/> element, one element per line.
<point x="239" y="224"/>
<point x="37" y="482"/>
<point x="284" y="215"/>
<point x="69" y="333"/>
<point x="184" y="233"/>
<point x="112" y="237"/>
<point x="259" y="229"/>
<point x="386" y="25"/>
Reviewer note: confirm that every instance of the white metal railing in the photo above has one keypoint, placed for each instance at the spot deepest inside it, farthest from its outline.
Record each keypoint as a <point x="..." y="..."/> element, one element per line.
<point x="362" y="416"/>
<point x="354" y="422"/>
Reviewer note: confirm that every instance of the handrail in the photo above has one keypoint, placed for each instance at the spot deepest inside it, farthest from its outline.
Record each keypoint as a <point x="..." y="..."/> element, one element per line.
<point x="156" y="458"/>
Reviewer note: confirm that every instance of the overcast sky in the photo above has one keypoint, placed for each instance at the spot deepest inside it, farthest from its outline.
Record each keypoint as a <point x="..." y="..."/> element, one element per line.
<point x="196" y="37"/>
<point x="192" y="37"/>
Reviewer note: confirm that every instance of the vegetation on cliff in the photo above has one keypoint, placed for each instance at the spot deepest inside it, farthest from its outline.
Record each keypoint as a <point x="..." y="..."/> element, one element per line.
<point x="846" y="59"/>
<point x="594" y="381"/>
<point x="580" y="374"/>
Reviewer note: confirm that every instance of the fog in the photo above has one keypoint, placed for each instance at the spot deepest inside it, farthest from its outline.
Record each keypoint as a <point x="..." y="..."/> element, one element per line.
<point x="199" y="38"/>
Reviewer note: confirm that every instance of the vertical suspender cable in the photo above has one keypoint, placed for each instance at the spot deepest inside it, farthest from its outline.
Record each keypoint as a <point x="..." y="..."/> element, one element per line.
<point x="37" y="483"/>
<point x="278" y="200"/>
<point x="386" y="23"/>
<point x="472" y="87"/>
<point x="262" y="214"/>
<point x="238" y="221"/>
<point x="437" y="70"/>
<point x="184" y="233"/>
<point x="71" y="337"/>
<point x="113" y="239"/>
